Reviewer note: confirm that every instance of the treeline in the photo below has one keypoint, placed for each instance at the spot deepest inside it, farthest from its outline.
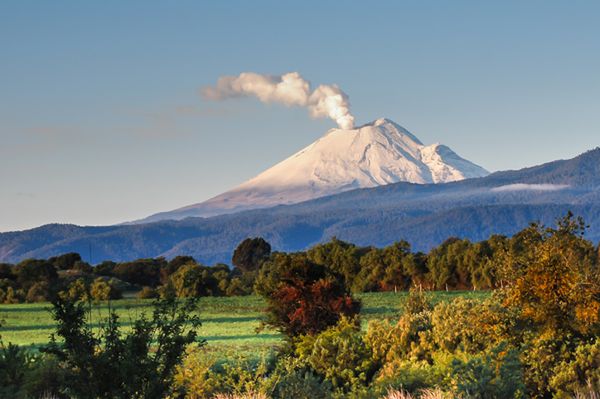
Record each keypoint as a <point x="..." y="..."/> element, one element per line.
<point x="536" y="336"/>
<point x="456" y="264"/>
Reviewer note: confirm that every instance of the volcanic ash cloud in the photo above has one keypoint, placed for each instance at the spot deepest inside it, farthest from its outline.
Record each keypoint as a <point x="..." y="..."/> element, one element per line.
<point x="290" y="89"/>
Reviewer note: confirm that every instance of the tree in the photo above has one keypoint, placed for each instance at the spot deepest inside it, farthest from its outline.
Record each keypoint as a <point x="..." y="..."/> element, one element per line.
<point x="142" y="272"/>
<point x="250" y="254"/>
<point x="106" y="268"/>
<point x="303" y="297"/>
<point x="31" y="271"/>
<point x="193" y="280"/>
<point x="65" y="261"/>
<point x="553" y="279"/>
<point x="339" y="256"/>
<point x="6" y="271"/>
<point x="102" y="290"/>
<point x="449" y="266"/>
<point x="173" y="265"/>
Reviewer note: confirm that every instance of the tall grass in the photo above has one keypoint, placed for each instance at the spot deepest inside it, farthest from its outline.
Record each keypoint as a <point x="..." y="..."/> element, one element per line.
<point x="423" y="394"/>
<point x="590" y="392"/>
<point x="250" y="395"/>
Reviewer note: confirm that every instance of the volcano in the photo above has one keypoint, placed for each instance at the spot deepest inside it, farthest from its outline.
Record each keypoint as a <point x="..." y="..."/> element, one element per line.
<point x="375" y="154"/>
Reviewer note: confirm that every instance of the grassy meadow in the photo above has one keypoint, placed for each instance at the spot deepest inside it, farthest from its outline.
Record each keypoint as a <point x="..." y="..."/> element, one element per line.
<point x="229" y="324"/>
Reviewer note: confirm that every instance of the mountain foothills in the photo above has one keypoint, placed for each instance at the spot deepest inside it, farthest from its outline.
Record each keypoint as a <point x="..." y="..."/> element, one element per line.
<point x="422" y="214"/>
<point x="375" y="154"/>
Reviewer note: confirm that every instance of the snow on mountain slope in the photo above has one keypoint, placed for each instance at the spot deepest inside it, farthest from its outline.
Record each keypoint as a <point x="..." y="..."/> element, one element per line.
<point x="374" y="154"/>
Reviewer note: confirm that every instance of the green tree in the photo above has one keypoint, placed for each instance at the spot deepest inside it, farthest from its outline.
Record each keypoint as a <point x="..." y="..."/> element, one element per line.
<point x="102" y="290"/>
<point x="339" y="256"/>
<point x="65" y="261"/>
<point x="142" y="272"/>
<point x="194" y="280"/>
<point x="32" y="271"/>
<point x="250" y="254"/>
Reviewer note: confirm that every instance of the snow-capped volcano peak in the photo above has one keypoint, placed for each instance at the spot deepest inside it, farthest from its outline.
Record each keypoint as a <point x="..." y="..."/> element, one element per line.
<point x="377" y="153"/>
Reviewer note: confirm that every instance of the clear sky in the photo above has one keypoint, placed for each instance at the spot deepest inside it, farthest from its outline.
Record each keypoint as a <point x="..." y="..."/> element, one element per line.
<point x="101" y="120"/>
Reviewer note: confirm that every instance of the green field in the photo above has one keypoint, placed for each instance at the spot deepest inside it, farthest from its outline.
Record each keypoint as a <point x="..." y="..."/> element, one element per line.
<point x="228" y="323"/>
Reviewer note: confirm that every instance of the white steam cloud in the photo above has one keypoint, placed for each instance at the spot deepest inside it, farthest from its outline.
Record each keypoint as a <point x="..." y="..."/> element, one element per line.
<point x="290" y="89"/>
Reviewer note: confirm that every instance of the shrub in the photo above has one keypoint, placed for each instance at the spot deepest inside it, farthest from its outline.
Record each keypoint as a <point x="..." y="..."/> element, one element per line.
<point x="9" y="293"/>
<point x="45" y="378"/>
<point x="407" y="339"/>
<point x="38" y="292"/>
<point x="339" y="354"/>
<point x="14" y="364"/>
<point x="248" y="395"/>
<point x="31" y="271"/>
<point x="78" y="291"/>
<point x="301" y="384"/>
<point x="117" y="364"/>
<point x="147" y="293"/>
<point x="417" y="302"/>
<point x="201" y="375"/>
<point x="194" y="377"/>
<point x="422" y="394"/>
<point x="102" y="290"/>
<point x="580" y="372"/>
<point x="495" y="374"/>
<point x="139" y="272"/>
<point x="456" y="326"/>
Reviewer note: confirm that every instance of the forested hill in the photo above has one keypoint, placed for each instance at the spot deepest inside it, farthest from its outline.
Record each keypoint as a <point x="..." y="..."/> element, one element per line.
<point x="424" y="215"/>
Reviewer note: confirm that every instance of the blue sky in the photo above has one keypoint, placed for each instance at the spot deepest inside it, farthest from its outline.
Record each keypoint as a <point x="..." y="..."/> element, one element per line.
<point x="101" y="120"/>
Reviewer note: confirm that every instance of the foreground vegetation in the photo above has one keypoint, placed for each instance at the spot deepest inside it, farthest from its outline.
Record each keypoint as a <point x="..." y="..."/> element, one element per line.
<point x="228" y="323"/>
<point x="536" y="335"/>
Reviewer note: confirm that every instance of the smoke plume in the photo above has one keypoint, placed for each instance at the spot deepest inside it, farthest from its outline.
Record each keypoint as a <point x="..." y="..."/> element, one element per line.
<point x="289" y="89"/>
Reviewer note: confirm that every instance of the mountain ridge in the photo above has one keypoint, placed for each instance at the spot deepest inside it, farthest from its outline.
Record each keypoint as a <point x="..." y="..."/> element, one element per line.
<point x="422" y="214"/>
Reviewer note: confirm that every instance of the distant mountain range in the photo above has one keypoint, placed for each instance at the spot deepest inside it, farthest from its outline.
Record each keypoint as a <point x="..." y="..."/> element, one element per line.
<point x="423" y="214"/>
<point x="375" y="154"/>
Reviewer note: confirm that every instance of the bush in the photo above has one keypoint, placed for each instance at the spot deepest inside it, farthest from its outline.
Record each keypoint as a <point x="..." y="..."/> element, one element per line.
<point x="301" y="384"/>
<point x="147" y="293"/>
<point x="456" y="326"/>
<point x="102" y="290"/>
<point x="407" y="339"/>
<point x="139" y="272"/>
<point x="14" y="364"/>
<point x="553" y="280"/>
<point x="46" y="378"/>
<point x="417" y="302"/>
<point x="580" y="372"/>
<point x="115" y="364"/>
<point x="38" y="292"/>
<point x="495" y="374"/>
<point x="78" y="291"/>
<point x="194" y="378"/>
<point x="339" y="354"/>
<point x="9" y="293"/>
